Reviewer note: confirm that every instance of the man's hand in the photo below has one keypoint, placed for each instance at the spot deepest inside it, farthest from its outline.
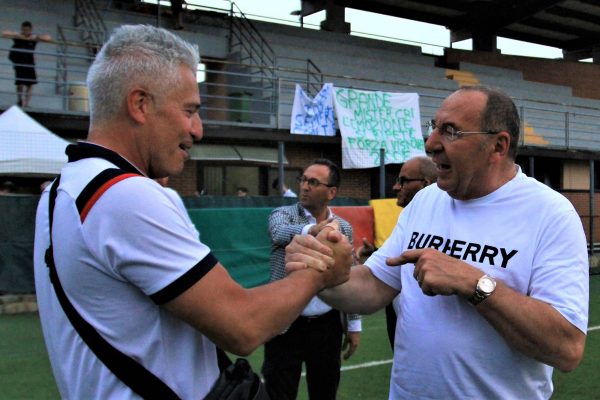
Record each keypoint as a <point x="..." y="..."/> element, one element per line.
<point x="438" y="273"/>
<point x="315" y="229"/>
<point x="351" y="341"/>
<point x="365" y="251"/>
<point x="331" y="236"/>
<point x="305" y="251"/>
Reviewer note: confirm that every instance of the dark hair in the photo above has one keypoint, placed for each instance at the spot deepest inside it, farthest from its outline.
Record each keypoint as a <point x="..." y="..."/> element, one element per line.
<point x="499" y="114"/>
<point x="275" y="184"/>
<point x="334" y="171"/>
<point x="26" y="24"/>
<point x="8" y="185"/>
<point x="242" y="189"/>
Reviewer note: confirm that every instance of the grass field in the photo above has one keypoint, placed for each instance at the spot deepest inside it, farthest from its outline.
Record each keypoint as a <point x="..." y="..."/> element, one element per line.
<point x="25" y="371"/>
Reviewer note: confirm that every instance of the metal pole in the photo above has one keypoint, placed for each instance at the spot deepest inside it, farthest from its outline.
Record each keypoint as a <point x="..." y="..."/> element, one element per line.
<point x="381" y="173"/>
<point x="158" y="13"/>
<point x="567" y="133"/>
<point x="592" y="179"/>
<point x="522" y="127"/>
<point x="280" y="173"/>
<point x="531" y="167"/>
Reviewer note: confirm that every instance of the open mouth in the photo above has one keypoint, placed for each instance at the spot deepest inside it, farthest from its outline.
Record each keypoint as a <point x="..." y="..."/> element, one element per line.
<point x="185" y="149"/>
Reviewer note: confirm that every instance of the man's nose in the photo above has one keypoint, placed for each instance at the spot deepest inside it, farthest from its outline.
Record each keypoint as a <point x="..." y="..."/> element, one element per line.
<point x="197" y="130"/>
<point x="433" y="143"/>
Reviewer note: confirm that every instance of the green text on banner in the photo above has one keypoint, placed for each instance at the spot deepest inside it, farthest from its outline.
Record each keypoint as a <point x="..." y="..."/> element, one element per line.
<point x="370" y="121"/>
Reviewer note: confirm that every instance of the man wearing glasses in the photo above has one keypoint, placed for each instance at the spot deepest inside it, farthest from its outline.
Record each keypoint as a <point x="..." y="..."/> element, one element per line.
<point x="315" y="338"/>
<point x="491" y="267"/>
<point x="415" y="174"/>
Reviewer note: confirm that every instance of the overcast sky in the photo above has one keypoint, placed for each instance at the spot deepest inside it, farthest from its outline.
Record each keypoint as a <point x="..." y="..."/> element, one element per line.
<point x="364" y="22"/>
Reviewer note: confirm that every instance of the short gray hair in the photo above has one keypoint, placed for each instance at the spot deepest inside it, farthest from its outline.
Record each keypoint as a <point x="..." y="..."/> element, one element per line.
<point x="136" y="55"/>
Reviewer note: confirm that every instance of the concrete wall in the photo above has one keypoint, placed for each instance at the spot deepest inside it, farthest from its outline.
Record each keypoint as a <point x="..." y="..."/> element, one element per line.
<point x="581" y="77"/>
<point x="581" y="202"/>
<point x="45" y="15"/>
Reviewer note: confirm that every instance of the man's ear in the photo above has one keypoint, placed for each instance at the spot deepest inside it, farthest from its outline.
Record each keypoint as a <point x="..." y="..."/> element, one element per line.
<point x="138" y="104"/>
<point x="332" y="193"/>
<point x="502" y="144"/>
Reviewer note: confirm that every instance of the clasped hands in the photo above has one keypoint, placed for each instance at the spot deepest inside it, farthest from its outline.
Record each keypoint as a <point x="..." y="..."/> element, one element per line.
<point x="331" y="253"/>
<point x="328" y="251"/>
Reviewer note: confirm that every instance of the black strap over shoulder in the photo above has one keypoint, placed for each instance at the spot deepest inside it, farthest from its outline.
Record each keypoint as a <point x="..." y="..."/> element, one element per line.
<point x="81" y="150"/>
<point x="129" y="371"/>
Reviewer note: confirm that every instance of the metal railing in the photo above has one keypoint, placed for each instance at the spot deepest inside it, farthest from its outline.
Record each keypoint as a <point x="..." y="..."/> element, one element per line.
<point x="249" y="42"/>
<point x="93" y="30"/>
<point x="232" y="97"/>
<point x="252" y="51"/>
<point x="61" y="77"/>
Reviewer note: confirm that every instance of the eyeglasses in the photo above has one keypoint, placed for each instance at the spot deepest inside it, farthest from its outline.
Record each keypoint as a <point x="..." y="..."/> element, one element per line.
<point x="402" y="180"/>
<point x="312" y="182"/>
<point x="451" y="133"/>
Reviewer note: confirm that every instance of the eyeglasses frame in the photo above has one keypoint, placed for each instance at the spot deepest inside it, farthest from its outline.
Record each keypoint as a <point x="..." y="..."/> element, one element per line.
<point x="454" y="133"/>
<point x="401" y="180"/>
<point x="312" y="182"/>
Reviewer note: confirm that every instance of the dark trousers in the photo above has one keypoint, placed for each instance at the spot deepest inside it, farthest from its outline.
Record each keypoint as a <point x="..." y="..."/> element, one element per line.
<point x="390" y="321"/>
<point x="315" y="341"/>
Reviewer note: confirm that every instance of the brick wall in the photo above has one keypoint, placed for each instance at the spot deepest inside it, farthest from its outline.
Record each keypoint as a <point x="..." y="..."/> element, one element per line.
<point x="355" y="183"/>
<point x="581" y="202"/>
<point x="185" y="183"/>
<point x="582" y="77"/>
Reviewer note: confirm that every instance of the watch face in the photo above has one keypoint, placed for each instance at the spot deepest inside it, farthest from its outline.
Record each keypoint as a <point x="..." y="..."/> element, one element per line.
<point x="486" y="285"/>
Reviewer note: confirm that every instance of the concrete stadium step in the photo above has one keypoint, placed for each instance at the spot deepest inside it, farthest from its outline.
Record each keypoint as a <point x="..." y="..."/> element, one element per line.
<point x="18" y="304"/>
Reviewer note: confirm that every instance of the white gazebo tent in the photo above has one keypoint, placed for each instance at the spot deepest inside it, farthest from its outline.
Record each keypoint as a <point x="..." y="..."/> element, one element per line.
<point x="27" y="148"/>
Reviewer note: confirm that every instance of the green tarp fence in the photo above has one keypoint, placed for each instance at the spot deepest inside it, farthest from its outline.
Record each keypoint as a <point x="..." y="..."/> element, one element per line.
<point x="17" y="228"/>
<point x="234" y="228"/>
<point x="239" y="238"/>
<point x="259" y="201"/>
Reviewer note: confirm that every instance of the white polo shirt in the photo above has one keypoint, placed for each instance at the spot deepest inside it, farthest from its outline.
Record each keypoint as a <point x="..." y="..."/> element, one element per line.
<point x="133" y="251"/>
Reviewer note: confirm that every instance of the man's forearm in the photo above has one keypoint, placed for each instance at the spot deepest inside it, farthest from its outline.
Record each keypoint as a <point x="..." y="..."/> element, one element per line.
<point x="362" y="294"/>
<point x="534" y="328"/>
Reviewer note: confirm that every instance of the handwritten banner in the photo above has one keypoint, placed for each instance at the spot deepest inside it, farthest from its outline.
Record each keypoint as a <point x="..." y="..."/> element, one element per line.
<point x="313" y="116"/>
<point x="370" y="121"/>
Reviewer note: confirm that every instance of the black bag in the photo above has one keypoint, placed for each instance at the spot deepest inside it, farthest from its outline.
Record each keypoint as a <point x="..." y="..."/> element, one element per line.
<point x="238" y="382"/>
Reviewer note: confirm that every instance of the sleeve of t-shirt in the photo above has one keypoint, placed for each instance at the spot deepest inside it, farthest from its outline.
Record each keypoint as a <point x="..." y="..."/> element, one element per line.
<point x="142" y="237"/>
<point x="390" y="248"/>
<point x="561" y="267"/>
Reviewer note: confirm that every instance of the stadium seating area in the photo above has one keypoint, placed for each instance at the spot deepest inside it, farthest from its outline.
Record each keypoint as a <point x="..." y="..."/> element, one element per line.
<point x="552" y="116"/>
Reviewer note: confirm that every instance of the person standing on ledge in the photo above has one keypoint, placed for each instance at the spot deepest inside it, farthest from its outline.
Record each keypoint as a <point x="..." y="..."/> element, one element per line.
<point x="22" y="57"/>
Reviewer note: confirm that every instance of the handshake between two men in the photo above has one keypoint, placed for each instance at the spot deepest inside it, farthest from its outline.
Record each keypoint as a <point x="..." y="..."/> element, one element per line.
<point x="329" y="252"/>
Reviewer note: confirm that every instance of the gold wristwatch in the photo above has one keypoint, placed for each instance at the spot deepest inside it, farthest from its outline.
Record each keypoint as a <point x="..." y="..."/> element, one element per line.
<point x="485" y="287"/>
